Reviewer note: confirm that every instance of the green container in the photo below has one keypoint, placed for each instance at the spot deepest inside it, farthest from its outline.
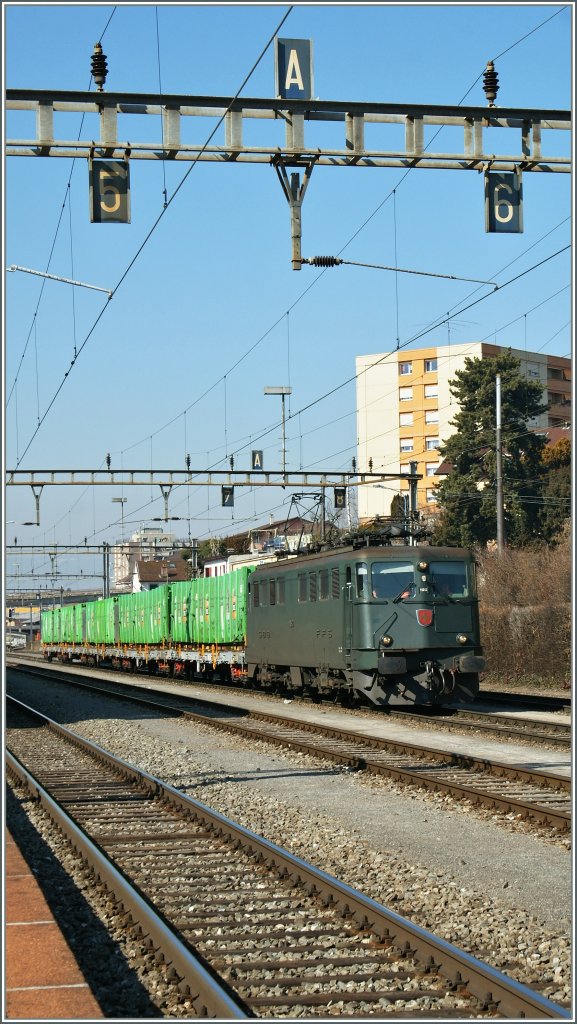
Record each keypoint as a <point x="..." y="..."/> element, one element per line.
<point x="218" y="608"/>
<point x="47" y="626"/>
<point x="99" y="617"/>
<point x="126" y="622"/>
<point x="180" y="607"/>
<point x="156" y="614"/>
<point x="144" y="617"/>
<point x="71" y="623"/>
<point x="56" y="617"/>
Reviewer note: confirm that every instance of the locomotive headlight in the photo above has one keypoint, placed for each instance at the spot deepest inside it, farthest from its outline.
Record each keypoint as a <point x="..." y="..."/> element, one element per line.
<point x="422" y="566"/>
<point x="387" y="641"/>
<point x="462" y="638"/>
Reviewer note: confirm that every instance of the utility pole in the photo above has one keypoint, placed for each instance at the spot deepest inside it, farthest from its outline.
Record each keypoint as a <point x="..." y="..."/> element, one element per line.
<point x="499" y="454"/>
<point x="413" y="495"/>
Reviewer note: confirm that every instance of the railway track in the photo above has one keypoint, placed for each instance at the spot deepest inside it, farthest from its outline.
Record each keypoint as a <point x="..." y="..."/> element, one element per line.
<point x="249" y="929"/>
<point x="541" y="797"/>
<point x="550" y="733"/>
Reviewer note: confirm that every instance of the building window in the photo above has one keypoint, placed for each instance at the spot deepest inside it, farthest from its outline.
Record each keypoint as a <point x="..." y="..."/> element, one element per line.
<point x="432" y="416"/>
<point x="554" y="374"/>
<point x="406" y="419"/>
<point x="431" y="390"/>
<point x="431" y="443"/>
<point x="405" y="369"/>
<point x="430" y="495"/>
<point x="405" y="468"/>
<point x="405" y="394"/>
<point x="430" y="365"/>
<point x="406" y="444"/>
<point x="431" y="468"/>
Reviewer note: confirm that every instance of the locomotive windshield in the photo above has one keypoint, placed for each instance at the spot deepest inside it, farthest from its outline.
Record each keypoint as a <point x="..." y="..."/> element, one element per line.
<point x="449" y="579"/>
<point x="389" y="579"/>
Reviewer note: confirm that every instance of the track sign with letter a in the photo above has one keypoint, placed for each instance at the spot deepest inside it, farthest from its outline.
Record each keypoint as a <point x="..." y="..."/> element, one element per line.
<point x="109" y="191"/>
<point x="293" y="59"/>
<point x="257" y="459"/>
<point x="503" y="202"/>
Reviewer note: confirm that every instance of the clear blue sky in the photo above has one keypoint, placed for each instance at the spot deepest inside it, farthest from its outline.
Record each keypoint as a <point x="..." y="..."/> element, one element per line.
<point x="215" y="279"/>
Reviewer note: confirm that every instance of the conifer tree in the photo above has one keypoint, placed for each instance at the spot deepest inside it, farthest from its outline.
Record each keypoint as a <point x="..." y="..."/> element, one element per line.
<point x="467" y="496"/>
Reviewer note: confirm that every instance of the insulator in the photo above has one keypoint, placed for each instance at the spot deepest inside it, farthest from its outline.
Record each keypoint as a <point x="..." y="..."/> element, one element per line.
<point x="491" y="83"/>
<point x="99" y="68"/>
<point x="324" y="261"/>
<point x="188" y="461"/>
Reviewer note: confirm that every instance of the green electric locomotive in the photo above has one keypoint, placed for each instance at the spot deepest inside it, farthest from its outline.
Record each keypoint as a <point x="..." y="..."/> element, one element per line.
<point x="386" y="625"/>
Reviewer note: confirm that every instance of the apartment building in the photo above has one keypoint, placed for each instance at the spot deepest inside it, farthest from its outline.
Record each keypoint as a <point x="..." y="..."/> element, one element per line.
<point x="405" y="408"/>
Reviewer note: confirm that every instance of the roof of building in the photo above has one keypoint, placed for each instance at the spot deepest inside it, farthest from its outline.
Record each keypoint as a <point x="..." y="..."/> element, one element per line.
<point x="288" y="526"/>
<point x="554" y="434"/>
<point x="165" y="570"/>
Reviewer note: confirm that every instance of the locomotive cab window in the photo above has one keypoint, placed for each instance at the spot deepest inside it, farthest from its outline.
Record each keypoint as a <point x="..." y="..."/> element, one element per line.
<point x="449" y="579"/>
<point x="392" y="579"/>
<point x="362" y="580"/>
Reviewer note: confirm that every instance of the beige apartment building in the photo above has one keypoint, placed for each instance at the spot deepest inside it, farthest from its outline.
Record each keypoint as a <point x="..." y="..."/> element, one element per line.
<point x="405" y="408"/>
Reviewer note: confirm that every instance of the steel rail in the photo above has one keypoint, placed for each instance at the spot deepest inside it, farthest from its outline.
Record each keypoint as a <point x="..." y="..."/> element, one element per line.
<point x="512" y="998"/>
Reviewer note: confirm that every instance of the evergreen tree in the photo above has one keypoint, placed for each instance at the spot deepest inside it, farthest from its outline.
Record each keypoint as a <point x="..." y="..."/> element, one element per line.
<point x="556" y="491"/>
<point x="467" y="497"/>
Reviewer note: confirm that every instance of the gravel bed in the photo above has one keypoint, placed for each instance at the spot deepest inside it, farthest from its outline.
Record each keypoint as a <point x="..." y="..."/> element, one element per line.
<point x="503" y="896"/>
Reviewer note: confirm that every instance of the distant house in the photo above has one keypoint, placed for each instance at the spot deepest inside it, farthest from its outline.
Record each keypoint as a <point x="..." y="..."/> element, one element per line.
<point x="149" y="575"/>
<point x="261" y="544"/>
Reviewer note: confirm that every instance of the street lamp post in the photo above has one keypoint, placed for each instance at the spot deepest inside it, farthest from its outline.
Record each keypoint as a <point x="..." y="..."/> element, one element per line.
<point x="122" y="502"/>
<point x="119" y="556"/>
<point x="282" y="391"/>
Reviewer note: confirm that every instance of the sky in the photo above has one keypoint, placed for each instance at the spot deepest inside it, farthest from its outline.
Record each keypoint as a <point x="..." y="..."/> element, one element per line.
<point x="207" y="310"/>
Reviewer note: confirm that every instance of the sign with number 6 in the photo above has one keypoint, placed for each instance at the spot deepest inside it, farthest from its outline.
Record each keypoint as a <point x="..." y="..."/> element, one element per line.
<point x="503" y="201"/>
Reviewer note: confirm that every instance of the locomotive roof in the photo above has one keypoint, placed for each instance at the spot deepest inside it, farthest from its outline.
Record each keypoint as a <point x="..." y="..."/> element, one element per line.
<point x="395" y="551"/>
